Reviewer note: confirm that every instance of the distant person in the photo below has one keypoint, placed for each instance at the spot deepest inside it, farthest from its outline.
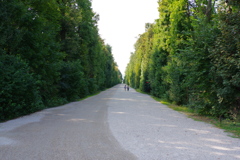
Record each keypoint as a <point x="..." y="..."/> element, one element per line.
<point x="125" y="87"/>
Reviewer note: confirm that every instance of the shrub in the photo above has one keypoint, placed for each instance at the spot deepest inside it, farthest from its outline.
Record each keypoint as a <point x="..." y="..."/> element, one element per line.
<point x="19" y="94"/>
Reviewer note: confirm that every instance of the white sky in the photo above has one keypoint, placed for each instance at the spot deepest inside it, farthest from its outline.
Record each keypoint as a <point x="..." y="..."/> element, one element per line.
<point x="121" y="21"/>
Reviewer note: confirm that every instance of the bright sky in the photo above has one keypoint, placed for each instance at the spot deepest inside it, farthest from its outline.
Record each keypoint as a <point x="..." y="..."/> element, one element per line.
<point x="121" y="21"/>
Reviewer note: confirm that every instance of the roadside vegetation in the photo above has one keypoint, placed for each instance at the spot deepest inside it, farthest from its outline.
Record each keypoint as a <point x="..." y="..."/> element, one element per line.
<point x="50" y="54"/>
<point x="229" y="125"/>
<point x="190" y="57"/>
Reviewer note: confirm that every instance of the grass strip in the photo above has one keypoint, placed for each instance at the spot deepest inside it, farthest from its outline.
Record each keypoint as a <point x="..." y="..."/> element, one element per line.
<point x="227" y="125"/>
<point x="94" y="94"/>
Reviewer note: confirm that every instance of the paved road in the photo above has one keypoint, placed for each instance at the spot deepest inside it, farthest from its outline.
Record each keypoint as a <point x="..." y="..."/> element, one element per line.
<point x="76" y="131"/>
<point x="114" y="125"/>
<point x="152" y="131"/>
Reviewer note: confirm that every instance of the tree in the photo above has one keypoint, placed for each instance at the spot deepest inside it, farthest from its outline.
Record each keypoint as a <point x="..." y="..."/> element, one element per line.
<point x="58" y="45"/>
<point x="191" y="56"/>
<point x="225" y="54"/>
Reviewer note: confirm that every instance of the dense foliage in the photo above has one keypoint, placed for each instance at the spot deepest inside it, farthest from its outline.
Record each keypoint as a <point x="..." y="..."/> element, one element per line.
<point x="190" y="56"/>
<point x="50" y="54"/>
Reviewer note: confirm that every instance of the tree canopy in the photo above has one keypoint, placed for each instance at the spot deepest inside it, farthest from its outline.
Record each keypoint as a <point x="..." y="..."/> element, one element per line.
<point x="50" y="54"/>
<point x="190" y="56"/>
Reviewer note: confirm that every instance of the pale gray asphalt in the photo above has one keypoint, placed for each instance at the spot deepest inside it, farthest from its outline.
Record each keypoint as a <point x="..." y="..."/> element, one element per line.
<point x="76" y="131"/>
<point x="152" y="131"/>
<point x="114" y="125"/>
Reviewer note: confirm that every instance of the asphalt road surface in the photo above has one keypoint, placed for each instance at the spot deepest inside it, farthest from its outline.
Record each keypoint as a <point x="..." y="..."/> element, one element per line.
<point x="114" y="125"/>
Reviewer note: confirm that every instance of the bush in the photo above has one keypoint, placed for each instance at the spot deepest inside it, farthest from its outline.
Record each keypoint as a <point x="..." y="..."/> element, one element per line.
<point x="19" y="94"/>
<point x="72" y="83"/>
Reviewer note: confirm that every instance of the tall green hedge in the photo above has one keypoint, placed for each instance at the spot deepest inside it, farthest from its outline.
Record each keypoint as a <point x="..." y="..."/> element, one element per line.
<point x="191" y="56"/>
<point x="19" y="91"/>
<point x="50" y="54"/>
